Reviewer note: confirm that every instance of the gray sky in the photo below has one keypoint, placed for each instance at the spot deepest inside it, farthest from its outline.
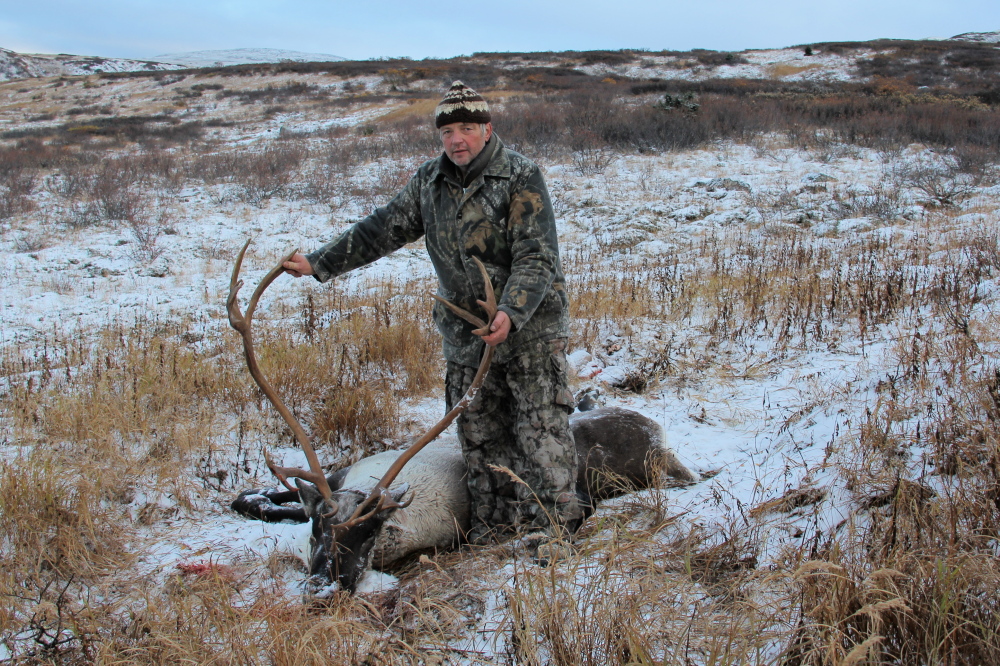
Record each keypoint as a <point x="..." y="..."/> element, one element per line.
<point x="362" y="29"/>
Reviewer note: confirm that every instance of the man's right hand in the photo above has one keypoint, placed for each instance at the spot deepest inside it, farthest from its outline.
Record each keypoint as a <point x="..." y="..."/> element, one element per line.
<point x="298" y="266"/>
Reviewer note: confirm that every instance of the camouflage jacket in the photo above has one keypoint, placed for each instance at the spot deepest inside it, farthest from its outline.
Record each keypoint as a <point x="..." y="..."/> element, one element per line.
<point x="503" y="216"/>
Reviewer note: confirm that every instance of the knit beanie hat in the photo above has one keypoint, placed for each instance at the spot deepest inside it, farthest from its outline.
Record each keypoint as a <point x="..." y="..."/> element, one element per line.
<point x="461" y="104"/>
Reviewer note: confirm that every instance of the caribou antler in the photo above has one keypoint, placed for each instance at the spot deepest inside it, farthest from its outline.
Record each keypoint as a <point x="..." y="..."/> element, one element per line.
<point x="242" y="323"/>
<point x="379" y="498"/>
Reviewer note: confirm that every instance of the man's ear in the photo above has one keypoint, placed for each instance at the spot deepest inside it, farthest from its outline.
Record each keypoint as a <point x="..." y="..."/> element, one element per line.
<point x="489" y="131"/>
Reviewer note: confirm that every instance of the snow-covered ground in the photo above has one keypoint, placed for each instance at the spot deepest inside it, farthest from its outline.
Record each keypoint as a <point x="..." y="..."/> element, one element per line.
<point x="756" y="431"/>
<point x="779" y="64"/>
<point x="757" y="425"/>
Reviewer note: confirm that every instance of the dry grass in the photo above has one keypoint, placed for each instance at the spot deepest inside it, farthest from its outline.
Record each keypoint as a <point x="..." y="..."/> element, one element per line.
<point x="782" y="71"/>
<point x="909" y="578"/>
<point x="108" y="414"/>
<point x="421" y="109"/>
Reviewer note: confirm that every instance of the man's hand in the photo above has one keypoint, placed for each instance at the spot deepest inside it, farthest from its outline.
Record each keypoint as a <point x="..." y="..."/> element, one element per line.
<point x="500" y="328"/>
<point x="298" y="266"/>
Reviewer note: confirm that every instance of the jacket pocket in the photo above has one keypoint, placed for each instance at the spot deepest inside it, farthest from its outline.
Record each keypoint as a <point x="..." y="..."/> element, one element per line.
<point x="448" y="324"/>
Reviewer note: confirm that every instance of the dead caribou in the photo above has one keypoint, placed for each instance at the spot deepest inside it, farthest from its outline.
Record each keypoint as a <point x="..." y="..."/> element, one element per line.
<point x="355" y="525"/>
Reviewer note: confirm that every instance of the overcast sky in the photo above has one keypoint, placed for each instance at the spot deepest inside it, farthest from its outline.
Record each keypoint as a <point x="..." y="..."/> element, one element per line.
<point x="363" y="29"/>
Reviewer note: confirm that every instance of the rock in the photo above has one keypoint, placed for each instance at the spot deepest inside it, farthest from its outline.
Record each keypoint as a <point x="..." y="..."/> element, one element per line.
<point x="855" y="224"/>
<point x="688" y="213"/>
<point x="727" y="217"/>
<point x="714" y="184"/>
<point x="817" y="177"/>
<point x="727" y="184"/>
<point x="157" y="268"/>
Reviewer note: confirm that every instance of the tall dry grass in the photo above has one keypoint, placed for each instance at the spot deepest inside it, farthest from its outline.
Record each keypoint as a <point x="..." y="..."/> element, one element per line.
<point x="909" y="577"/>
<point x="103" y="416"/>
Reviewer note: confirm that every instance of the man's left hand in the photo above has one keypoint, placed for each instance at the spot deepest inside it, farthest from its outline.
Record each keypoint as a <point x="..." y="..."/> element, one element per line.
<point x="499" y="329"/>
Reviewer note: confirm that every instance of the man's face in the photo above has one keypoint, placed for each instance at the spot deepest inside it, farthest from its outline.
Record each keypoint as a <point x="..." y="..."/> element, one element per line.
<point x="463" y="141"/>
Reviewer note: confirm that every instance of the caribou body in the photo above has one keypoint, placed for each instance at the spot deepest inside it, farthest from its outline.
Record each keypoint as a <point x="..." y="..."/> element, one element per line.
<point x="617" y="450"/>
<point x="395" y="503"/>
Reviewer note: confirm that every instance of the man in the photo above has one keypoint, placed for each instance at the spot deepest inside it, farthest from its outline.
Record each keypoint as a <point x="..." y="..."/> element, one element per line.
<point x="480" y="199"/>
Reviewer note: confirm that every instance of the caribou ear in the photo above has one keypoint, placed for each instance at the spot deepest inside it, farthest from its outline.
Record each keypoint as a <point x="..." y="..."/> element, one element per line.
<point x="309" y="496"/>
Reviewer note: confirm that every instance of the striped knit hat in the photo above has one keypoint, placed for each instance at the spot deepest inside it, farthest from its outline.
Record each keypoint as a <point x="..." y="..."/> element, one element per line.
<point x="461" y="104"/>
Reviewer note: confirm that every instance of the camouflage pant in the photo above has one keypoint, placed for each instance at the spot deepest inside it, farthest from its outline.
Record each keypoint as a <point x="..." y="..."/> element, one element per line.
<point x="519" y="421"/>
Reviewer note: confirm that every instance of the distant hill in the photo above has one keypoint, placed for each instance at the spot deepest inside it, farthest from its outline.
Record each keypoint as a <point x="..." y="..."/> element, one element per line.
<point x="30" y="65"/>
<point x="986" y="37"/>
<point x="975" y="54"/>
<point x="24" y="65"/>
<point x="224" y="58"/>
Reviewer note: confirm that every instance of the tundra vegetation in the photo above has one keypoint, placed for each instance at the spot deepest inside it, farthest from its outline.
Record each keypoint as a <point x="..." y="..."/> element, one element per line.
<point x="801" y="267"/>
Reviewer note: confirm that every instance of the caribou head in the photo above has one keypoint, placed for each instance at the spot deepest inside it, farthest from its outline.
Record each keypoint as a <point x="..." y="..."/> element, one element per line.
<point x="345" y="522"/>
<point x="342" y="548"/>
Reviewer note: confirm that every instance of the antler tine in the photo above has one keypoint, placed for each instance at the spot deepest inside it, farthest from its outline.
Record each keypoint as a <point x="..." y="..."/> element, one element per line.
<point x="379" y="494"/>
<point x="490" y="304"/>
<point x="461" y="312"/>
<point x="236" y="318"/>
<point x="285" y="473"/>
<point x="241" y="322"/>
<point x="491" y="300"/>
<point x="382" y="500"/>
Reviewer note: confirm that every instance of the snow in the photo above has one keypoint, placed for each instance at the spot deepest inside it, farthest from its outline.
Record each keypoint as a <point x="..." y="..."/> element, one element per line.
<point x="23" y="65"/>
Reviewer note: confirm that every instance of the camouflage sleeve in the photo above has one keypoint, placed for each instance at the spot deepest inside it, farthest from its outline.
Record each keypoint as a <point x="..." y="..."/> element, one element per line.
<point x="383" y="232"/>
<point x="531" y="228"/>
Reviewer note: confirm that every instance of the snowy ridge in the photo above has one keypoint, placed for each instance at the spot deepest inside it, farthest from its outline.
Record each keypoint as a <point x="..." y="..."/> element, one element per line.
<point x="226" y="57"/>
<point x="23" y="66"/>
<point x="984" y="37"/>
<point x="15" y="65"/>
<point x="773" y="423"/>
